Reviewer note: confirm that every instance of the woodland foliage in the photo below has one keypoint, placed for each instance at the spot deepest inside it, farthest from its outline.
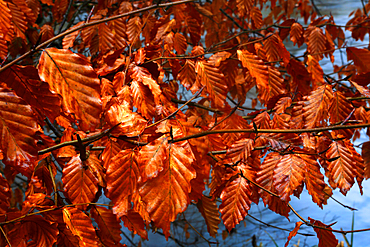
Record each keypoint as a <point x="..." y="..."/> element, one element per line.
<point x="92" y="105"/>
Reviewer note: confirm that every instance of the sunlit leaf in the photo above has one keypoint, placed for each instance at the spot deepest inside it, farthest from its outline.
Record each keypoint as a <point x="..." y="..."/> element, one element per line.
<point x="316" y="43"/>
<point x="214" y="82"/>
<point x="296" y="34"/>
<point x="187" y="74"/>
<point x="73" y="78"/>
<point x="316" y="72"/>
<point x="19" y="20"/>
<point x="79" y="182"/>
<point x="5" y="17"/>
<point x="167" y="194"/>
<point x="361" y="58"/>
<point x="143" y="99"/>
<point x="179" y="43"/>
<point x="236" y="202"/>
<point x="316" y="106"/>
<point x="80" y="225"/>
<point x="122" y="177"/>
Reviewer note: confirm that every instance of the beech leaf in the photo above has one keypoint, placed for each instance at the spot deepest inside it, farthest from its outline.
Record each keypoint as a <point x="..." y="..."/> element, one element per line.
<point x="72" y="76"/>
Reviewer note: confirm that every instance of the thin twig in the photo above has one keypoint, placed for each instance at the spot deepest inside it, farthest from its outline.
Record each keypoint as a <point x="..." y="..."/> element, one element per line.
<point x="209" y="242"/>
<point x="204" y="133"/>
<point x="6" y="238"/>
<point x="283" y="229"/>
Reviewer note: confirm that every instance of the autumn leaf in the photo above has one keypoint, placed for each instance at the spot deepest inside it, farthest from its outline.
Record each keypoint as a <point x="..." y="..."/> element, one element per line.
<point x="80" y="225"/>
<point x="109" y="225"/>
<point x="71" y="76"/>
<point x="167" y="194"/>
<point x="294" y="231"/>
<point x="316" y="72"/>
<point x="316" y="106"/>
<point x="213" y="81"/>
<point x="122" y="177"/>
<point x="326" y="237"/>
<point x="134" y="223"/>
<point x="79" y="182"/>
<point x="209" y="211"/>
<point x="316" y="43"/>
<point x="19" y="131"/>
<point x="361" y="58"/>
<point x="4" y="195"/>
<point x="236" y="202"/>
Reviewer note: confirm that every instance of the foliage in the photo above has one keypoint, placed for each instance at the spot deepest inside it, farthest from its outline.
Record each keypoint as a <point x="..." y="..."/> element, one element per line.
<point x="102" y="110"/>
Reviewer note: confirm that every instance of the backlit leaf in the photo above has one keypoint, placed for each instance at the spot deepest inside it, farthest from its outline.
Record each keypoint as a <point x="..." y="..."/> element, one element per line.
<point x="135" y="223"/>
<point x="122" y="177"/>
<point x="316" y="72"/>
<point x="71" y="76"/>
<point x="143" y="99"/>
<point x="80" y="225"/>
<point x="288" y="175"/>
<point x="79" y="182"/>
<point x="316" y="43"/>
<point x="214" y="82"/>
<point x="5" y="23"/>
<point x="187" y="74"/>
<point x="314" y="180"/>
<point x="316" y="106"/>
<point x="179" y="43"/>
<point x="296" y="34"/>
<point x="236" y="201"/>
<point x="294" y="232"/>
<point x="25" y="81"/>
<point x="167" y="194"/>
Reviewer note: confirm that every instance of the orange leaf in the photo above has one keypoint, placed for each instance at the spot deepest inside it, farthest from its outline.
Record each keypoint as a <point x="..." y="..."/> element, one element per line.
<point x="122" y="176"/>
<point x="316" y="43"/>
<point x="236" y="201"/>
<point x="342" y="167"/>
<point x="294" y="232"/>
<point x="282" y="104"/>
<point x="167" y="194"/>
<point x="296" y="34"/>
<point x="316" y="106"/>
<point x="314" y="180"/>
<point x="5" y="24"/>
<point x="366" y="157"/>
<point x="106" y="38"/>
<point x="19" y="20"/>
<point x="361" y="58"/>
<point x="37" y="230"/>
<point x="265" y="178"/>
<point x="79" y="183"/>
<point x="187" y="74"/>
<point x="214" y="82"/>
<point x="208" y="208"/>
<point x="81" y="226"/>
<point x="112" y="148"/>
<point x="71" y="76"/>
<point x="133" y="29"/>
<point x="143" y="99"/>
<point x="18" y="133"/>
<point x="244" y="6"/>
<point x="180" y="44"/>
<point x="240" y="150"/>
<point x="130" y="123"/>
<point x="109" y="225"/>
<point x="316" y="72"/>
<point x="153" y="157"/>
<point x="363" y="90"/>
<point x="326" y="238"/>
<point x="219" y="57"/>
<point x="288" y="175"/>
<point x="256" y="17"/>
<point x="135" y="223"/>
<point x="340" y="109"/>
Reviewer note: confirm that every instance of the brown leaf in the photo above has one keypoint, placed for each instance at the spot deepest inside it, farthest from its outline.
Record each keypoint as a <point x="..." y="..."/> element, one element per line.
<point x="19" y="131"/>
<point x="135" y="223"/>
<point x="316" y="43"/>
<point x="361" y="58"/>
<point x="294" y="231"/>
<point x="326" y="238"/>
<point x="109" y="225"/>
<point x="208" y="208"/>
